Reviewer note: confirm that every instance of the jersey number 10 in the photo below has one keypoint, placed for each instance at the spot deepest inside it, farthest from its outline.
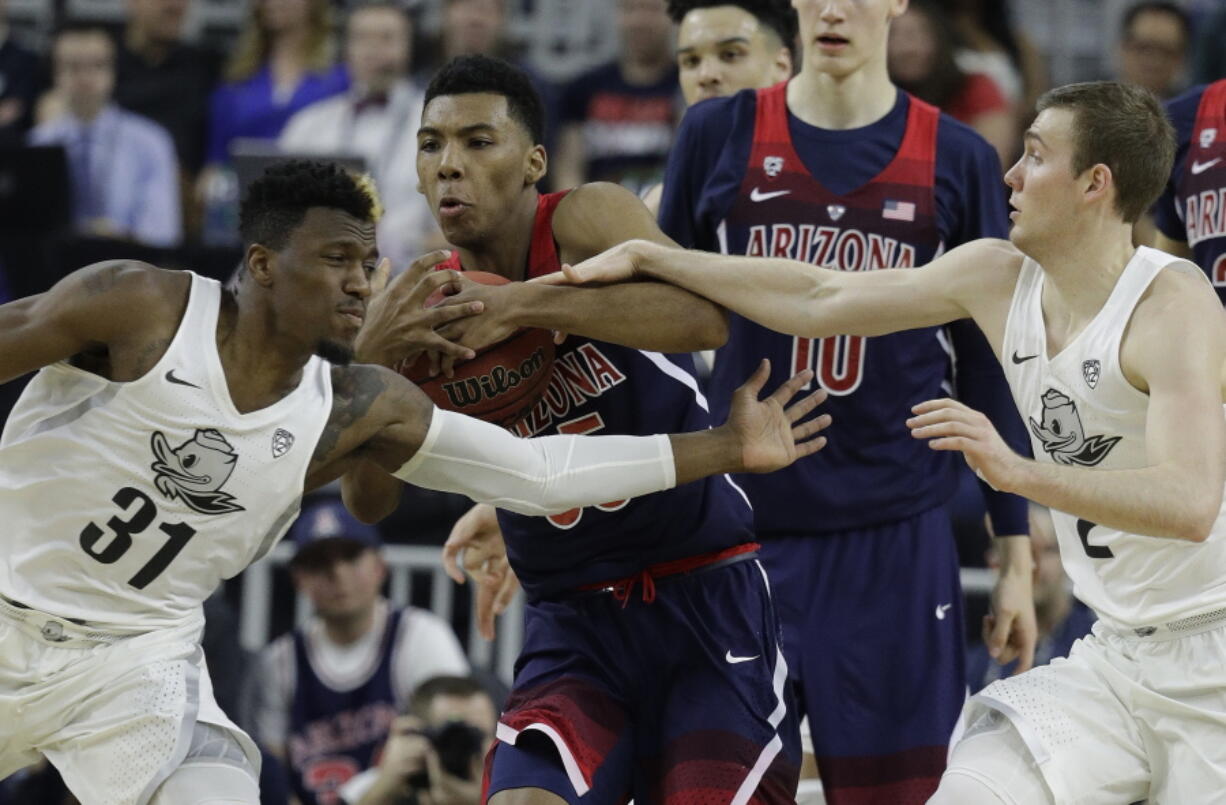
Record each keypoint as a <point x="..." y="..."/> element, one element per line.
<point x="122" y="531"/>
<point x="837" y="361"/>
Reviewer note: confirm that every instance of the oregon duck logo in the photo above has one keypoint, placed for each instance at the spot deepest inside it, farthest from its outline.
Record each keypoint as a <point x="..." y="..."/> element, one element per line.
<point x="195" y="471"/>
<point x="1063" y="436"/>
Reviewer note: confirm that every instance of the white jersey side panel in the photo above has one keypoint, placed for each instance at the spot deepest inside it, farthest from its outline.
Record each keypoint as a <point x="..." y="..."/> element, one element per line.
<point x="1081" y="411"/>
<point x="125" y="504"/>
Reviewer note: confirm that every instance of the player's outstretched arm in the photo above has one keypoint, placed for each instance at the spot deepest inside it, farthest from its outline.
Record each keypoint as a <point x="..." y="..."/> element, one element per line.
<point x="123" y="310"/>
<point x="801" y="299"/>
<point x="1174" y="351"/>
<point x="646" y="315"/>
<point x="381" y="417"/>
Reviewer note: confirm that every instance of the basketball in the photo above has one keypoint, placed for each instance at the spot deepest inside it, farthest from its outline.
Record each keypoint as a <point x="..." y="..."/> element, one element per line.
<point x="502" y="383"/>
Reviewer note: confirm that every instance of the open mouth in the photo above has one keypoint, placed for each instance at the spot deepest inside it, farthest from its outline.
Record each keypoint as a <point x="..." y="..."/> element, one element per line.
<point x="832" y="42"/>
<point x="450" y="207"/>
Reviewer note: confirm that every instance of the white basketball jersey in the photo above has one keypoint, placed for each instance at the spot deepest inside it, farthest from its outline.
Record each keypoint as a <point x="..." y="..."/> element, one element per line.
<point x="125" y="504"/>
<point x="1082" y="412"/>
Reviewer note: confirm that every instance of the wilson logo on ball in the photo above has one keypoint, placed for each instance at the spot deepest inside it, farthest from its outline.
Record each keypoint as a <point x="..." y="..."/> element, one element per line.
<point x="477" y="390"/>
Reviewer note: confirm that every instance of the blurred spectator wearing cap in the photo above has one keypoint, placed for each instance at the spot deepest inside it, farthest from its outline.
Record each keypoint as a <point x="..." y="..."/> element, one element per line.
<point x="283" y="62"/>
<point x="617" y="120"/>
<point x="167" y="80"/>
<point x="922" y="61"/>
<point x="18" y="83"/>
<point x="125" y="177"/>
<point x="1155" y="39"/>
<point x="325" y="695"/>
<point x="376" y="119"/>
<point x="434" y="753"/>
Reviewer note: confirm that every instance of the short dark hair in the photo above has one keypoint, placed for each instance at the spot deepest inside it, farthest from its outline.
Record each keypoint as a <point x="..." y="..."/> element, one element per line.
<point x="435" y="686"/>
<point x="777" y="15"/>
<point x="1157" y="7"/>
<point x="1125" y="128"/>
<point x="477" y="73"/>
<point x="277" y="202"/>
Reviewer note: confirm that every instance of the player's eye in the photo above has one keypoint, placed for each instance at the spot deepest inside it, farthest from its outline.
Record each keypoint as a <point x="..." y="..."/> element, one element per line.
<point x="689" y="62"/>
<point x="480" y="142"/>
<point x="427" y="146"/>
<point x="731" y="55"/>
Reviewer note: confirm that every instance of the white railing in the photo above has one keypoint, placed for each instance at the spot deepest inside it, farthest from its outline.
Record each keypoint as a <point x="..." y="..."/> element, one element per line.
<point x="412" y="564"/>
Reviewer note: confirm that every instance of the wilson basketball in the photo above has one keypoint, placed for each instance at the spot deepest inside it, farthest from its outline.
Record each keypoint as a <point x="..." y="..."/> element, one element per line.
<point x="502" y="383"/>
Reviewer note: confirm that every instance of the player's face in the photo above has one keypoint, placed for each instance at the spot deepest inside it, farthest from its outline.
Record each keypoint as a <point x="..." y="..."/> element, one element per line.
<point x="474" y="162"/>
<point x="839" y="37"/>
<point x="722" y="50"/>
<point x="343" y="586"/>
<point x="1045" y="191"/>
<point x="322" y="280"/>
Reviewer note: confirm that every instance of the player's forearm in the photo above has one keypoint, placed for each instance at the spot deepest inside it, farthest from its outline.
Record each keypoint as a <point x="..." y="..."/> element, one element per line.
<point x="369" y="493"/>
<point x="1160" y="501"/>
<point x="776" y="293"/>
<point x="643" y="315"/>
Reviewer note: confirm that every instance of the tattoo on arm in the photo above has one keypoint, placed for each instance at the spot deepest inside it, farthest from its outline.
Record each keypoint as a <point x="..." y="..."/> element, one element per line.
<point x="354" y="391"/>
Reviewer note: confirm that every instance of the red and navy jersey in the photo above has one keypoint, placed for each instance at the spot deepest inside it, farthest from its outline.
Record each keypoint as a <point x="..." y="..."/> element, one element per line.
<point x="1193" y="206"/>
<point x="334" y="734"/>
<point x="747" y="177"/>
<point x="603" y="388"/>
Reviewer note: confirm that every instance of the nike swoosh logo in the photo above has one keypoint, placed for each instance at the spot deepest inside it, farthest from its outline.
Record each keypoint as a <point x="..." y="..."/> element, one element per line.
<point x="941" y="610"/>
<point x="1200" y="167"/>
<point x="1023" y="358"/>
<point x="758" y="195"/>
<point x="170" y="378"/>
<point x="733" y="660"/>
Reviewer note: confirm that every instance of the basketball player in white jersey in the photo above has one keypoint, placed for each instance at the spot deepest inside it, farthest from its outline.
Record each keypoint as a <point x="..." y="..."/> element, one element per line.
<point x="1117" y="360"/>
<point x="166" y="444"/>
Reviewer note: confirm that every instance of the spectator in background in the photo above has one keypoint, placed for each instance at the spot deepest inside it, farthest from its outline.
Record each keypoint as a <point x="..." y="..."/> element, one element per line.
<point x="283" y="62"/>
<point x="617" y="120"/>
<point x="1209" y="59"/>
<point x="125" y="178"/>
<point x="18" y="84"/>
<point x="1062" y="619"/>
<point x="411" y="769"/>
<point x="325" y="695"/>
<point x="922" y="61"/>
<point x="990" y="45"/>
<point x="378" y="120"/>
<point x="160" y="76"/>
<point x="1154" y="41"/>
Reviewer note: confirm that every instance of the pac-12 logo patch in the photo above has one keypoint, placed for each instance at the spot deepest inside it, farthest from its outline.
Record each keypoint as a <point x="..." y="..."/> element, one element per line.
<point x="835" y="211"/>
<point x="773" y="166"/>
<point x="1063" y="435"/>
<point x="1207" y="136"/>
<point x="282" y="441"/>
<point x="195" y="471"/>
<point x="1091" y="370"/>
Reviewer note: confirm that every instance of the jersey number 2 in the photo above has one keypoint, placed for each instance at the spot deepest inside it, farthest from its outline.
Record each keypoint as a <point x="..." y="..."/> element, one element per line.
<point x="178" y="535"/>
<point x="837" y="361"/>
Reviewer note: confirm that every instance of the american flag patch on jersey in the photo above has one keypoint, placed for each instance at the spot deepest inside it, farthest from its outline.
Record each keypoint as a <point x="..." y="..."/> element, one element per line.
<point x="898" y="210"/>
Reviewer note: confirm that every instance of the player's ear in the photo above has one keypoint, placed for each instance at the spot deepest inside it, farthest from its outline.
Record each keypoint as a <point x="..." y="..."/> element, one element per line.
<point x="536" y="163"/>
<point x="782" y="67"/>
<point x="1097" y="182"/>
<point x="259" y="264"/>
<point x="898" y="8"/>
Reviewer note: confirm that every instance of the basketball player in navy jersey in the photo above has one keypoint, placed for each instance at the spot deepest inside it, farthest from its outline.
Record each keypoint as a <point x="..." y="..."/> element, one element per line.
<point x="651" y="666"/>
<point x="166" y="443"/>
<point x="838" y="167"/>
<point x="1116" y="355"/>
<point x="1191" y="213"/>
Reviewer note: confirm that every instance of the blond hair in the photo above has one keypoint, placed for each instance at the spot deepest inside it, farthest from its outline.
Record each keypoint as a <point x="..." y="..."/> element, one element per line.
<point x="255" y="45"/>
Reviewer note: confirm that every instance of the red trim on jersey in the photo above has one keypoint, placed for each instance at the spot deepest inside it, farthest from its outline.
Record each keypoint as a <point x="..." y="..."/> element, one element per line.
<point x="914" y="163"/>
<point x="542" y="251"/>
<point x="621" y="589"/>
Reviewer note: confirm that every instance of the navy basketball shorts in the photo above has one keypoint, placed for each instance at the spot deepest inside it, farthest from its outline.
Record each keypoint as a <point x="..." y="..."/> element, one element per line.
<point x="679" y="698"/>
<point x="873" y="636"/>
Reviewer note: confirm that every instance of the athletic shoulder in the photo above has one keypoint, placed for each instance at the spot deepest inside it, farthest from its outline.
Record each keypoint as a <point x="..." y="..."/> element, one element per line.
<point x="589" y="211"/>
<point x="1180" y="288"/>
<point x="131" y="283"/>
<point x="991" y="259"/>
<point x="960" y="142"/>
<point x="716" y="113"/>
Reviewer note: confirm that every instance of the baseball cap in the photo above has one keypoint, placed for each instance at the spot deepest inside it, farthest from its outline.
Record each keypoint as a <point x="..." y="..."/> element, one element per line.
<point x="328" y="525"/>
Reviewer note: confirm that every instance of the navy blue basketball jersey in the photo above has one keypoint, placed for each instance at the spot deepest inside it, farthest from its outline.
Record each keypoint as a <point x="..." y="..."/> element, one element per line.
<point x="1193" y="207"/>
<point x="872" y="470"/>
<point x="333" y="735"/>
<point x="602" y="388"/>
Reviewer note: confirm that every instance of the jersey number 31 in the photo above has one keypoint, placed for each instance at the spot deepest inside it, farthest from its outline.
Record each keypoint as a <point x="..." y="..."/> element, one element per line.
<point x="122" y="531"/>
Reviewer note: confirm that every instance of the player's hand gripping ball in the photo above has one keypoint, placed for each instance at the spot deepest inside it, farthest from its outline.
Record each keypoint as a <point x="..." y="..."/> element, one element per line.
<point x="502" y="383"/>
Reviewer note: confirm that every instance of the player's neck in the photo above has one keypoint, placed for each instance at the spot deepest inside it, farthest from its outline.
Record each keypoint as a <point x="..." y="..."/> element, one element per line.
<point x="261" y="365"/>
<point x="1079" y="277"/>
<point x="505" y="252"/>
<point x="842" y="102"/>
